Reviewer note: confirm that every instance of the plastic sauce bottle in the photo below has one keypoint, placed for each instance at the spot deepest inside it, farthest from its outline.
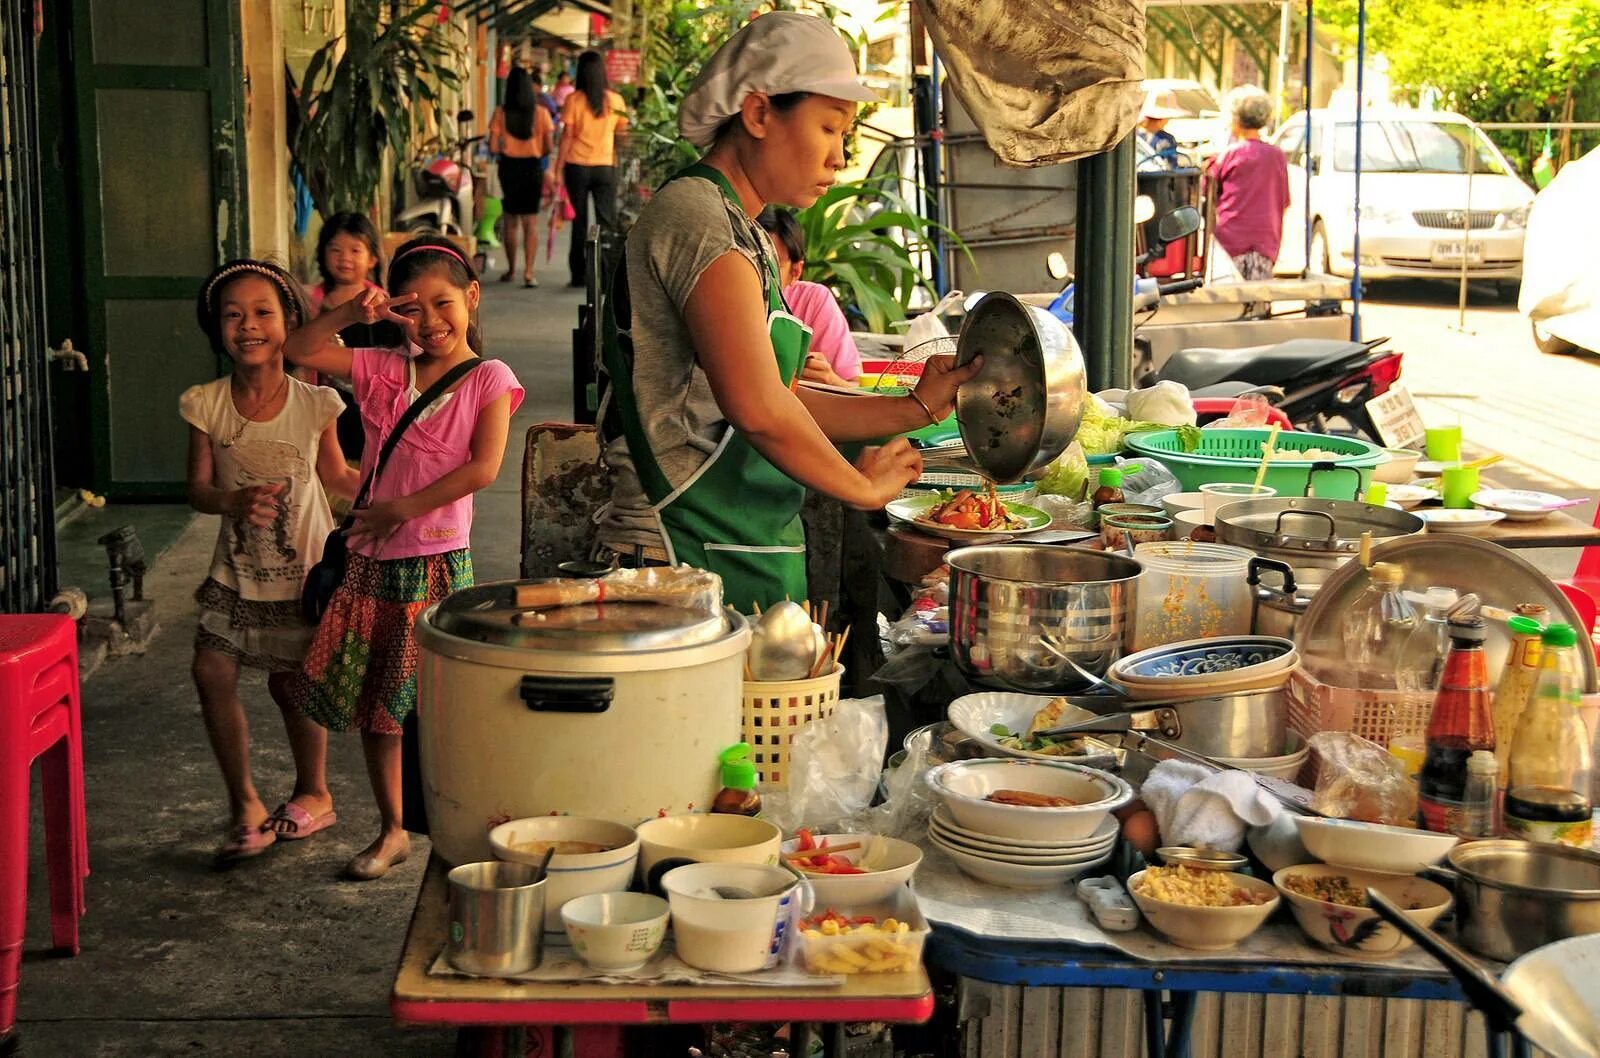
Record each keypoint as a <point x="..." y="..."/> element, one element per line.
<point x="1376" y="626"/>
<point x="1518" y="679"/>
<point x="1461" y="722"/>
<point x="738" y="796"/>
<point x="1548" y="790"/>
<point x="1421" y="661"/>
<point x="1481" y="802"/>
<point x="1110" y="490"/>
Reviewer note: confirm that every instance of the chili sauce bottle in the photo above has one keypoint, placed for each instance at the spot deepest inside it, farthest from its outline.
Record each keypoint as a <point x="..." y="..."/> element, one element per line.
<point x="1461" y="723"/>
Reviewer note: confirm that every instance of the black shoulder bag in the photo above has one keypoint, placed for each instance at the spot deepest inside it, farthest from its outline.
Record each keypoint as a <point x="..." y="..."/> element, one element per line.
<point x="328" y="573"/>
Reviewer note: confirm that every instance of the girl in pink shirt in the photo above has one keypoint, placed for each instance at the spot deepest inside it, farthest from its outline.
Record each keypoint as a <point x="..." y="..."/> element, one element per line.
<point x="409" y="545"/>
<point x="833" y="358"/>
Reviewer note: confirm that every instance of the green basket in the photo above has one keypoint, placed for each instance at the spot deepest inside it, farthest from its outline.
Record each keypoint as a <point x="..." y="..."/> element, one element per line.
<point x="1235" y="455"/>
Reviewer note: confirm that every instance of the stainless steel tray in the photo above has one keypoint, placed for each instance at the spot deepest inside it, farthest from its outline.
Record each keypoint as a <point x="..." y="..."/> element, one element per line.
<point x="1497" y="576"/>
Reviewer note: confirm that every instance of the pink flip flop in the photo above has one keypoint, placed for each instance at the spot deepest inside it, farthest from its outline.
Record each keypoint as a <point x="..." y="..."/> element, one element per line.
<point x="245" y="841"/>
<point x="293" y="823"/>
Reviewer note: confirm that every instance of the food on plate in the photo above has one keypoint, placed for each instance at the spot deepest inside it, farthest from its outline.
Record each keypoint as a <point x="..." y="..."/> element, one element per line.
<point x="1197" y="888"/>
<point x="824" y="862"/>
<point x="1051" y="716"/>
<point x="562" y="848"/>
<point x="1029" y="799"/>
<point x="972" y="510"/>
<point x="1331" y="889"/>
<point x="844" y="944"/>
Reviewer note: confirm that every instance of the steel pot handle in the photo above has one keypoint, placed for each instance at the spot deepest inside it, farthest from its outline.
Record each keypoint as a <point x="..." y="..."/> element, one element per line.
<point x="1333" y="527"/>
<point x="568" y="694"/>
<point x="1442" y="874"/>
<point x="1332" y="468"/>
<point x="1271" y="565"/>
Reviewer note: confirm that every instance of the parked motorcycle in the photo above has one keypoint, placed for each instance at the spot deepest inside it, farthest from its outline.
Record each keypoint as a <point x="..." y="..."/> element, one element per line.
<point x="443" y="185"/>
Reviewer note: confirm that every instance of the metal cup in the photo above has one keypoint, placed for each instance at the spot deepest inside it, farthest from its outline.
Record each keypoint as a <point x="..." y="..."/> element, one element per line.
<point x="496" y="918"/>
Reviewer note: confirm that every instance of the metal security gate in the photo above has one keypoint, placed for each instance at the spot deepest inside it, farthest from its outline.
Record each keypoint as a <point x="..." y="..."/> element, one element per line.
<point x="27" y="515"/>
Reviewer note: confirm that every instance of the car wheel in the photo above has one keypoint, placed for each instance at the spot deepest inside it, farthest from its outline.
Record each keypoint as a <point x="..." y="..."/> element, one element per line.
<point x="1320" y="256"/>
<point x="1549" y="343"/>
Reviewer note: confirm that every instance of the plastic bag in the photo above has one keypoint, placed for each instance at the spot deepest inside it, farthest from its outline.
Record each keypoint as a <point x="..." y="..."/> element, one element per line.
<point x="1066" y="513"/>
<point x="928" y="326"/>
<point x="907" y="801"/>
<point x="1149" y="483"/>
<point x="1358" y="779"/>
<point x="834" y="765"/>
<point x="1166" y="402"/>
<point x="1250" y="411"/>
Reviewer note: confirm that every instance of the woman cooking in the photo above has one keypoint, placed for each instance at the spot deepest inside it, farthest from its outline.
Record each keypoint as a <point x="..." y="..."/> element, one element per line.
<point x="712" y="443"/>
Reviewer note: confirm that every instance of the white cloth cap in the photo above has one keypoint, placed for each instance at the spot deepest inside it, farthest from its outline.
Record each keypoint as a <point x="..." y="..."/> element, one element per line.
<point x="779" y="52"/>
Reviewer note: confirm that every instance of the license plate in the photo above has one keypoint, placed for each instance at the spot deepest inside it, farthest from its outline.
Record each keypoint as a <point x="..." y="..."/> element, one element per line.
<point x="1451" y="252"/>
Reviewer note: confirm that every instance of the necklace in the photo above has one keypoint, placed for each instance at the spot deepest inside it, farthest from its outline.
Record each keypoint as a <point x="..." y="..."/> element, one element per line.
<point x="248" y="419"/>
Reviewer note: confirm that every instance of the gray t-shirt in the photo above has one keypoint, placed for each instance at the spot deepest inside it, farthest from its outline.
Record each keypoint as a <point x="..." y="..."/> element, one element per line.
<point x="687" y="225"/>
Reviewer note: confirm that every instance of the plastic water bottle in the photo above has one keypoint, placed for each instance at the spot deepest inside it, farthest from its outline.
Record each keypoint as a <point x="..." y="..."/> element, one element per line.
<point x="1421" y="659"/>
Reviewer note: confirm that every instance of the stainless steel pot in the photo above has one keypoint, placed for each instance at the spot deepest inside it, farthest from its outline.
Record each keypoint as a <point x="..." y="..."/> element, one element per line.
<point x="1314" y="536"/>
<point x="1275" y="611"/>
<point x="1003" y="597"/>
<point x="1515" y="896"/>
<point x="1024" y="406"/>
<point x="1237" y="726"/>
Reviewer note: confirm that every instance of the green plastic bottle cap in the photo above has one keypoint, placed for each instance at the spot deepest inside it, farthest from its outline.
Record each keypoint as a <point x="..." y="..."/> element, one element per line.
<point x="1524" y="626"/>
<point x="1560" y="636"/>
<point x="1111" y="476"/>
<point x="738" y="771"/>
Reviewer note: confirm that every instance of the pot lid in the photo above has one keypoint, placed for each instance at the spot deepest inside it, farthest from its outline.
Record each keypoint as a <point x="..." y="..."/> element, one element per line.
<point x="489" y="614"/>
<point x="1311" y="526"/>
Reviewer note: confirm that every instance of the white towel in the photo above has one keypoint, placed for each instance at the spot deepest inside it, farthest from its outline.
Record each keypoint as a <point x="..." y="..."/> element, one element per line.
<point x="1197" y="806"/>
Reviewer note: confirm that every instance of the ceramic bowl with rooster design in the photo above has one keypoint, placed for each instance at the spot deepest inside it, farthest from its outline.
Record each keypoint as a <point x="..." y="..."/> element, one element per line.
<point x="1357" y="931"/>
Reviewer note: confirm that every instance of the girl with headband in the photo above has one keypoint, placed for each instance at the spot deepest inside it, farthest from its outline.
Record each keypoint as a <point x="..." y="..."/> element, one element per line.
<point x="409" y="545"/>
<point x="712" y="443"/>
<point x="262" y="444"/>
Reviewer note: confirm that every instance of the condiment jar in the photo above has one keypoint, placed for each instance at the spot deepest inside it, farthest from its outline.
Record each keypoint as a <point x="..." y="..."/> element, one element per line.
<point x="738" y="796"/>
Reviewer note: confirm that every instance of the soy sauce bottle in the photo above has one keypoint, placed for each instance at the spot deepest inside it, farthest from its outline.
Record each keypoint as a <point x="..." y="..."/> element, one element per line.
<point x="1461" y="723"/>
<point x="1547" y="792"/>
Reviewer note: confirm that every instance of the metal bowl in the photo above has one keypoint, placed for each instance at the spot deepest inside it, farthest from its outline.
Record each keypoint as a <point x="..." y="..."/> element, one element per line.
<point x="1003" y="597"/>
<point x="1024" y="406"/>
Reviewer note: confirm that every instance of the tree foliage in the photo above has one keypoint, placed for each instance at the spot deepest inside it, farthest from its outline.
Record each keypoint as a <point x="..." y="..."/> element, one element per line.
<point x="365" y="91"/>
<point x="1492" y="61"/>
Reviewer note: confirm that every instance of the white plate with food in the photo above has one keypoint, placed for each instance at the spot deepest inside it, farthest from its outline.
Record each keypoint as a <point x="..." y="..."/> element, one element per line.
<point x="1005" y="722"/>
<point x="968" y="514"/>
<point x="1519" y="505"/>
<point x="1408" y="496"/>
<point x="1450" y="521"/>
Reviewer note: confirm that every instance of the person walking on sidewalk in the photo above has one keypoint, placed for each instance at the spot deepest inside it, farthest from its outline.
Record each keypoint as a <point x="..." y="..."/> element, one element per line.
<point x="259" y="441"/>
<point x="520" y="134"/>
<point x="1249" y="184"/>
<point x="586" y="161"/>
<point x="409" y="547"/>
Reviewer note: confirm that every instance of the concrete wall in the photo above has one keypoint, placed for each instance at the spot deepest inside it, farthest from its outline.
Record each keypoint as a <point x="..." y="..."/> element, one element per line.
<point x="266" y="151"/>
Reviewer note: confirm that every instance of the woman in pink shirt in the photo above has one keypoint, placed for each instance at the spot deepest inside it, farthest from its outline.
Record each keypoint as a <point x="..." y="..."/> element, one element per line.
<point x="833" y="359"/>
<point x="1249" y="183"/>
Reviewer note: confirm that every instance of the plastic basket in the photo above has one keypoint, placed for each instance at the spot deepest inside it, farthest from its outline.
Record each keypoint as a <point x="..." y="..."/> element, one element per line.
<point x="1021" y="492"/>
<point x="1376" y="715"/>
<point x="774" y="712"/>
<point x="1235" y="455"/>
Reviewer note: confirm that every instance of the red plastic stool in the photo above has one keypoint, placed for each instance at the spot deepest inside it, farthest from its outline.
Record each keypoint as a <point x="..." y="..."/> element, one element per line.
<point x="40" y="719"/>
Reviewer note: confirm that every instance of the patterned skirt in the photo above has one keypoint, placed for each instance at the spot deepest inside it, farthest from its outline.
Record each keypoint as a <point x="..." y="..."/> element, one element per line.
<point x="269" y="635"/>
<point x="362" y="664"/>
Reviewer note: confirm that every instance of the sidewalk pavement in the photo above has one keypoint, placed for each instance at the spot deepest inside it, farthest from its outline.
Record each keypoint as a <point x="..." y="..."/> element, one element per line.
<point x="278" y="956"/>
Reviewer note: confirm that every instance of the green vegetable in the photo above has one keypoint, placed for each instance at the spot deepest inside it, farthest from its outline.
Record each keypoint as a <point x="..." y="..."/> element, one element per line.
<point x="1068" y="476"/>
<point x="1000" y="731"/>
<point x="1189" y="438"/>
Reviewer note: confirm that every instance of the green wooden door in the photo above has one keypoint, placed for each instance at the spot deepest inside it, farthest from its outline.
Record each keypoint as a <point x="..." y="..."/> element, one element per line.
<point x="159" y="93"/>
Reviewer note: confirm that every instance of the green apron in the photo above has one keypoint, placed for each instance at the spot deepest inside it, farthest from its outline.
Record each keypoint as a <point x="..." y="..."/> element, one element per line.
<point x="738" y="515"/>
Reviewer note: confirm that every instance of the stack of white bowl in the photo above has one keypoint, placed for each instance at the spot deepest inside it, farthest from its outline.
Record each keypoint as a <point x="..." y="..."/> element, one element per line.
<point x="1020" y="847"/>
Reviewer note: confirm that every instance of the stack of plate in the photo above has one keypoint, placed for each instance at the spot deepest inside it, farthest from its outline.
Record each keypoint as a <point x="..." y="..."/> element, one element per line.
<point x="1018" y="864"/>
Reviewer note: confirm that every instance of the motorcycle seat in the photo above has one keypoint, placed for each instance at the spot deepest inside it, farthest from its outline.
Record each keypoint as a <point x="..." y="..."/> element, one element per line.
<point x="1261" y="365"/>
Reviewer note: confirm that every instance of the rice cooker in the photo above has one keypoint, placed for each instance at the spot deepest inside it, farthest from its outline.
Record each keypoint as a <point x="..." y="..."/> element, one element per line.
<point x="614" y="711"/>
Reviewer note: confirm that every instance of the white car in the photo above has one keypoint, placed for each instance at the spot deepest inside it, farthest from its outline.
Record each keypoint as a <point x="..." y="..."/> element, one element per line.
<point x="1560" y="288"/>
<point x="1415" y="219"/>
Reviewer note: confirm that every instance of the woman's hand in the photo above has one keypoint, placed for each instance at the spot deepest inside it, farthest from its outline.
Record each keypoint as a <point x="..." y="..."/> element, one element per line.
<point x="256" y="504"/>
<point x="377" y="523"/>
<point x="372" y="306"/>
<point x="940" y="380"/>
<point x="888" y="469"/>
<point x="817" y="369"/>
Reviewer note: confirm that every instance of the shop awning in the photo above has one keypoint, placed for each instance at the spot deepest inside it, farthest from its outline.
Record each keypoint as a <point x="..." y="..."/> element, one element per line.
<point x="516" y="16"/>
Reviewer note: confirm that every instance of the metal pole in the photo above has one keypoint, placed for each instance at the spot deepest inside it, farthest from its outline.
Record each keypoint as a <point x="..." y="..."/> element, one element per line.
<point x="1310" y="155"/>
<point x="1280" y="71"/>
<point x="1466" y="234"/>
<point x="1355" y="249"/>
<point x="1102" y="318"/>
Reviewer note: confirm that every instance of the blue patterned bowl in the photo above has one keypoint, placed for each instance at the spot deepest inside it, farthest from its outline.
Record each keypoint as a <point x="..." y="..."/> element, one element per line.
<point x="1234" y="660"/>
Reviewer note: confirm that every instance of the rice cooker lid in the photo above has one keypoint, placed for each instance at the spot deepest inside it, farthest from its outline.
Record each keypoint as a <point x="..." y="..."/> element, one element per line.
<point x="489" y="614"/>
